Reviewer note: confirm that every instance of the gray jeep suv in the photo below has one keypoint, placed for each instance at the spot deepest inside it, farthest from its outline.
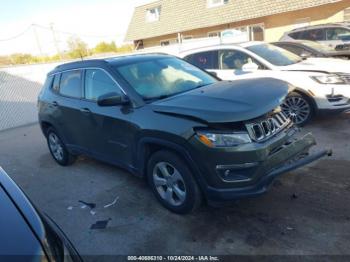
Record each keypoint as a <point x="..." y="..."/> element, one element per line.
<point x="190" y="135"/>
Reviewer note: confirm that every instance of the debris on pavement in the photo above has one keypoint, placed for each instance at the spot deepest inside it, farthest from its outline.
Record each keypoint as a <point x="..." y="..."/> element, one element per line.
<point x="101" y="224"/>
<point x="294" y="196"/>
<point x="90" y="205"/>
<point x="112" y="203"/>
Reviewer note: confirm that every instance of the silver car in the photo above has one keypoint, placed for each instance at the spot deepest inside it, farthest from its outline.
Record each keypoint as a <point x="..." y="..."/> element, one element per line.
<point x="335" y="35"/>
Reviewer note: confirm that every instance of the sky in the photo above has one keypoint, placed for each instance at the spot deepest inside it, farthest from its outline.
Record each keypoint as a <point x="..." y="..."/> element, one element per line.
<point x="92" y="21"/>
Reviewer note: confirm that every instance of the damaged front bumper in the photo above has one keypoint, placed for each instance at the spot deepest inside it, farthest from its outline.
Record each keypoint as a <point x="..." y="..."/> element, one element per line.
<point x="252" y="179"/>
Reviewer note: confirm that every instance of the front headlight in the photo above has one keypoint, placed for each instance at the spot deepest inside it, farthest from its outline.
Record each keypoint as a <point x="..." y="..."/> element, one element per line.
<point x="328" y="79"/>
<point x="213" y="139"/>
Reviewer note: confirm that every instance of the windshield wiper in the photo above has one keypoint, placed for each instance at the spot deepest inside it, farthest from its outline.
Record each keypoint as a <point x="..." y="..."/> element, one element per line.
<point x="157" y="97"/>
<point x="199" y="86"/>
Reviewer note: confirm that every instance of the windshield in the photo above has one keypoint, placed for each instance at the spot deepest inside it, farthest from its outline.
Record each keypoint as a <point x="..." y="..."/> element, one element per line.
<point x="318" y="46"/>
<point x="275" y="55"/>
<point x="163" y="77"/>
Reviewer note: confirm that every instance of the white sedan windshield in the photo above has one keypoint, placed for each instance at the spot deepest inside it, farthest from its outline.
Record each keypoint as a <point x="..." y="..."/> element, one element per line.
<point x="275" y="55"/>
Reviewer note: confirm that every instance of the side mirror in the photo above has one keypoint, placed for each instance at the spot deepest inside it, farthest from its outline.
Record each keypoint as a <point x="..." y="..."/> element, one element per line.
<point x="250" y="67"/>
<point x="305" y="55"/>
<point x="214" y="74"/>
<point x="112" y="99"/>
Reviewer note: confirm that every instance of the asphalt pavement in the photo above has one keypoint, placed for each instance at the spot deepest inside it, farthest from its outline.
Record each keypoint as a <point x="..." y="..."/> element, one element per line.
<point x="106" y="211"/>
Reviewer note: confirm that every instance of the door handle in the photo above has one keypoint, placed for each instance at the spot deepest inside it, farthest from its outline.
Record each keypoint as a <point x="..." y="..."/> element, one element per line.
<point x="85" y="110"/>
<point x="54" y="103"/>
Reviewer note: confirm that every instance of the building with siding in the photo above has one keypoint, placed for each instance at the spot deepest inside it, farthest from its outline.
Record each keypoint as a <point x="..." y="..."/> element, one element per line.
<point x="165" y="22"/>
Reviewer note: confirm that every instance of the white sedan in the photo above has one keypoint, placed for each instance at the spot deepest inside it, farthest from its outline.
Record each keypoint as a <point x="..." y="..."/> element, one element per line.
<point x="323" y="84"/>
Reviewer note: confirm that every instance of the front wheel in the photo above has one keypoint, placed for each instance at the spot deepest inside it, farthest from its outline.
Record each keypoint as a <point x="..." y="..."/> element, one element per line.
<point x="172" y="182"/>
<point x="298" y="108"/>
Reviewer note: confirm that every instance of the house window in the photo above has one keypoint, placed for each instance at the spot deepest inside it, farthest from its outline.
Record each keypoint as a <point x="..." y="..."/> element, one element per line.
<point x="153" y="14"/>
<point x="215" y="3"/>
<point x="165" y="43"/>
<point x="187" y="37"/>
<point x="214" y="34"/>
<point x="347" y="14"/>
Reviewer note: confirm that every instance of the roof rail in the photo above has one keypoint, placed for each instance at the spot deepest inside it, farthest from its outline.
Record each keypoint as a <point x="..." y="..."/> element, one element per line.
<point x="319" y="25"/>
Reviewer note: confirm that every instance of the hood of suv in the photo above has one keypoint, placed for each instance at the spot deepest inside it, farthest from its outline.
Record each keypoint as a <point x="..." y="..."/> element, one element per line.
<point x="227" y="101"/>
<point x="331" y="65"/>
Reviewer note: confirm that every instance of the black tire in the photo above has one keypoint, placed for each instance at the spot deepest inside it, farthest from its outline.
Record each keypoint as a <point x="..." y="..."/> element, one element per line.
<point x="65" y="158"/>
<point x="299" y="108"/>
<point x="192" y="198"/>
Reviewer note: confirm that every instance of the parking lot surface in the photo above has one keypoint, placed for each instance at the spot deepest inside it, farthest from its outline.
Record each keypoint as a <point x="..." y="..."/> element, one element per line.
<point x="306" y="212"/>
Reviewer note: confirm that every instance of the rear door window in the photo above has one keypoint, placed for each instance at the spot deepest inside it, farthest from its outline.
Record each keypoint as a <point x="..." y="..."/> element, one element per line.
<point x="98" y="83"/>
<point x="204" y="60"/>
<point x="70" y="84"/>
<point x="313" y="35"/>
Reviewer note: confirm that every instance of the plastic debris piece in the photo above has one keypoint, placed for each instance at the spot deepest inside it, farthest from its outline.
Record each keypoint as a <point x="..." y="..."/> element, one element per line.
<point x="70" y="208"/>
<point x="112" y="203"/>
<point x="83" y="206"/>
<point x="92" y="212"/>
<point x="101" y="224"/>
<point x="91" y="205"/>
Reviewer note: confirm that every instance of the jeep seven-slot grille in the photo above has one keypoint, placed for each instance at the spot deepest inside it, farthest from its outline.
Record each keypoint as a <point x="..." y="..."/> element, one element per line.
<point x="262" y="129"/>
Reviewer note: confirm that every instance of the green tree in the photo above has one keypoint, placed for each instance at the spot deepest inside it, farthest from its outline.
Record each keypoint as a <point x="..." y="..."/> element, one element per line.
<point x="104" y="47"/>
<point x="19" y="58"/>
<point x="126" y="48"/>
<point x="77" y="48"/>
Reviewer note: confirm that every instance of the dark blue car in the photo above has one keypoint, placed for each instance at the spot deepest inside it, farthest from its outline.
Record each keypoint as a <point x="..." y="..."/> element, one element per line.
<point x="25" y="233"/>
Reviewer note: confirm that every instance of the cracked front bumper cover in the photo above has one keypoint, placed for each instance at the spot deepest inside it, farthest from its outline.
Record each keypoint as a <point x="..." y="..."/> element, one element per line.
<point x="289" y="157"/>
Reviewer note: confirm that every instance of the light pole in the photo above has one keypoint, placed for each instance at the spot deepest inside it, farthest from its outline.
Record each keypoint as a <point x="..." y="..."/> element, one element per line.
<point x="55" y="40"/>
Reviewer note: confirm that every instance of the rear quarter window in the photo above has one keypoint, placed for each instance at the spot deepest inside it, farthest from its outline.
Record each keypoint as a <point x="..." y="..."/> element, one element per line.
<point x="295" y="35"/>
<point x="56" y="83"/>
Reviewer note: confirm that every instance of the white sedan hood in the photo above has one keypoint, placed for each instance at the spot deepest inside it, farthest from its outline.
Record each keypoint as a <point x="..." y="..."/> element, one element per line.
<point x="330" y="65"/>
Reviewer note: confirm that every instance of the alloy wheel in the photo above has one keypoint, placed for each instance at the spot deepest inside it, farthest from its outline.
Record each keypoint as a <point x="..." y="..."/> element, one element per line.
<point x="169" y="183"/>
<point x="297" y="109"/>
<point x="56" y="146"/>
